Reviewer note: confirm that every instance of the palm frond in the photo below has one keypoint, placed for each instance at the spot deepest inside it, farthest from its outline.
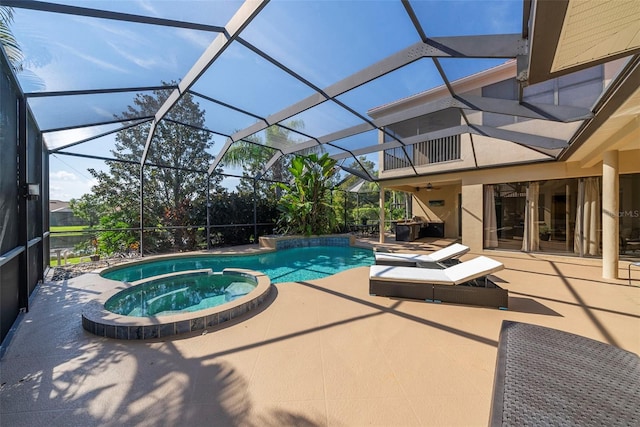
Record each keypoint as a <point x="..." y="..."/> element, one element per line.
<point x="8" y="40"/>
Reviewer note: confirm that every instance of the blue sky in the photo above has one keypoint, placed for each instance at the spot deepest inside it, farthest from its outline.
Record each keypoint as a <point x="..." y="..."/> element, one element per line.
<point x="322" y="41"/>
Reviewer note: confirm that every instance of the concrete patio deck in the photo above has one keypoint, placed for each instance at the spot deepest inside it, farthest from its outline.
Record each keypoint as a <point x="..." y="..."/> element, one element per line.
<point x="319" y="353"/>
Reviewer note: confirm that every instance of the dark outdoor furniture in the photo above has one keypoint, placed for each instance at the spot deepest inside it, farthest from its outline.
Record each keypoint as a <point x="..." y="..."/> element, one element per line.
<point x="464" y="283"/>
<point x="408" y="231"/>
<point x="432" y="229"/>
<point x="549" y="377"/>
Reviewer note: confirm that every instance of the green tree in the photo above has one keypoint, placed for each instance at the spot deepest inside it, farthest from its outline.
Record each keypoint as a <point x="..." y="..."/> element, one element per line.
<point x="175" y="179"/>
<point x="88" y="207"/>
<point x="235" y="209"/>
<point x="8" y="40"/>
<point x="305" y="207"/>
<point x="253" y="153"/>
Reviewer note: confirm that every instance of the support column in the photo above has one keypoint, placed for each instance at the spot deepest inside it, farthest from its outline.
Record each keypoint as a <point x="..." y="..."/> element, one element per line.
<point x="472" y="216"/>
<point x="381" y="223"/>
<point x="255" y="210"/>
<point x="23" y="219"/>
<point x="610" y="219"/>
<point x="141" y="209"/>
<point x="208" y="233"/>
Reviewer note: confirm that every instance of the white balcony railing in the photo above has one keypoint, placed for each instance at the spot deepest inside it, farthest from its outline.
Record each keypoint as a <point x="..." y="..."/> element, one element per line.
<point x="423" y="153"/>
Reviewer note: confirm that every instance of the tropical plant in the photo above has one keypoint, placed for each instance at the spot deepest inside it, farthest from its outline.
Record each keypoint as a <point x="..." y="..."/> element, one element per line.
<point x="254" y="152"/>
<point x="8" y="40"/>
<point x="305" y="206"/>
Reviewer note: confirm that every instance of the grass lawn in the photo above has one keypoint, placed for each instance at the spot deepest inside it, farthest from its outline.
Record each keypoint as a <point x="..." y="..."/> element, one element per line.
<point x="70" y="260"/>
<point x="68" y="228"/>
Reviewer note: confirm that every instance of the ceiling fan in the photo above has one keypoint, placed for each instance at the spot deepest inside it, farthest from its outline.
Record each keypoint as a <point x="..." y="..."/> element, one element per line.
<point x="430" y="187"/>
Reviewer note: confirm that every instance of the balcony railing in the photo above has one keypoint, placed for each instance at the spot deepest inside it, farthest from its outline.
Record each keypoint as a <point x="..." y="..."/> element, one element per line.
<point x="424" y="153"/>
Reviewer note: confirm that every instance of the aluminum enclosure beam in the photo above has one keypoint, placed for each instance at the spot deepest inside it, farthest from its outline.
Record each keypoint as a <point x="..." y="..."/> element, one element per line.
<point x="91" y="138"/>
<point x="500" y="106"/>
<point x="332" y="137"/>
<point x="487" y="46"/>
<point x="558" y="113"/>
<point x="88" y="125"/>
<point x="527" y="140"/>
<point x="245" y="14"/>
<point x="104" y="14"/>
<point x="97" y="91"/>
<point x="519" y="137"/>
<point x="456" y="130"/>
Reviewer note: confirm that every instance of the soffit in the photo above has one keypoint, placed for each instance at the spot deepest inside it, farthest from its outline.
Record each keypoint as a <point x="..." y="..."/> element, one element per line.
<point x="595" y="30"/>
<point x="621" y="131"/>
<point x="570" y="35"/>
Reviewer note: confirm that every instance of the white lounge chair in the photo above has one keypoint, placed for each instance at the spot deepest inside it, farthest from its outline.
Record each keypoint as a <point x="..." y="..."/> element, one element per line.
<point x="458" y="284"/>
<point x="448" y="253"/>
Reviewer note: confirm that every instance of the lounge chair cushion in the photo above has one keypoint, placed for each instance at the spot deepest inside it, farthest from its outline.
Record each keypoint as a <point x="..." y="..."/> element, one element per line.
<point x="455" y="275"/>
<point x="451" y="251"/>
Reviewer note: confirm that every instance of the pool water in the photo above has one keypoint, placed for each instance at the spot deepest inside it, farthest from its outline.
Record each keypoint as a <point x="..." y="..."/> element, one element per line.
<point x="287" y="265"/>
<point x="179" y="294"/>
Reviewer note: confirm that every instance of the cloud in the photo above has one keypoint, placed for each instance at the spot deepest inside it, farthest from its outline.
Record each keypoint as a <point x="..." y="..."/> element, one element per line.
<point x="89" y="58"/>
<point x="147" y="63"/>
<point x="146" y="5"/>
<point x="199" y="39"/>
<point x="103" y="112"/>
<point x="65" y="185"/>
<point x="63" y="176"/>
<point x="62" y="138"/>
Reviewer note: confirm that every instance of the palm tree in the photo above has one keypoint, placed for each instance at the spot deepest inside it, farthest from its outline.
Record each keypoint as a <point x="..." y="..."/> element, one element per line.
<point x="7" y="39"/>
<point x="252" y="154"/>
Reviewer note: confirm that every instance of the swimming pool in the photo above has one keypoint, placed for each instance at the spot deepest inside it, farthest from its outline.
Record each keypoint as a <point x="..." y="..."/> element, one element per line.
<point x="179" y="306"/>
<point x="287" y="265"/>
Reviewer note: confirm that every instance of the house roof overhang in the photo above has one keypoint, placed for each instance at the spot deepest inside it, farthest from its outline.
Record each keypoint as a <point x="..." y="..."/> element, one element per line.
<point x="569" y="35"/>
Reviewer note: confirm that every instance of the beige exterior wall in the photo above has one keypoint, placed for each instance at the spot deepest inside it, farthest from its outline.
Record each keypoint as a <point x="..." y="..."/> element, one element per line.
<point x="629" y="163"/>
<point x="447" y="213"/>
<point x="470" y="185"/>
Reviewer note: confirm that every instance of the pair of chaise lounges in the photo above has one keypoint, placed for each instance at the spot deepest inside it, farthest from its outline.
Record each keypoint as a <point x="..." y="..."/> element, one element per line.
<point x="438" y="277"/>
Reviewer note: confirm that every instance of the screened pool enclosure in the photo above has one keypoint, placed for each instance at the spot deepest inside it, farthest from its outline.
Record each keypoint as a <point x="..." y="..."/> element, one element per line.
<point x="169" y="122"/>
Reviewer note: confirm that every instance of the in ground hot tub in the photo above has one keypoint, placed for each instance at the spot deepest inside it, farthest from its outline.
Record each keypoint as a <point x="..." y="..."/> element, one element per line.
<point x="175" y="303"/>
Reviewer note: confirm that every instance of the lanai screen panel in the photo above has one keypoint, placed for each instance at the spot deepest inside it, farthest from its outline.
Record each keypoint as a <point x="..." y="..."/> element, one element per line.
<point x="321" y="42"/>
<point x="358" y="142"/>
<point x="70" y="52"/>
<point x="244" y="79"/>
<point x="8" y="164"/>
<point x="471" y="17"/>
<point x="61" y="140"/>
<point x="326" y="118"/>
<point x="315" y="68"/>
<point x="418" y="76"/>
<point x="77" y="111"/>
<point x="220" y="118"/>
<point x="459" y="68"/>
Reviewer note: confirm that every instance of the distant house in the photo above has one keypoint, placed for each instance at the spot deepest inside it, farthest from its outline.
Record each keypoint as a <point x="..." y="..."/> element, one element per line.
<point x="61" y="214"/>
